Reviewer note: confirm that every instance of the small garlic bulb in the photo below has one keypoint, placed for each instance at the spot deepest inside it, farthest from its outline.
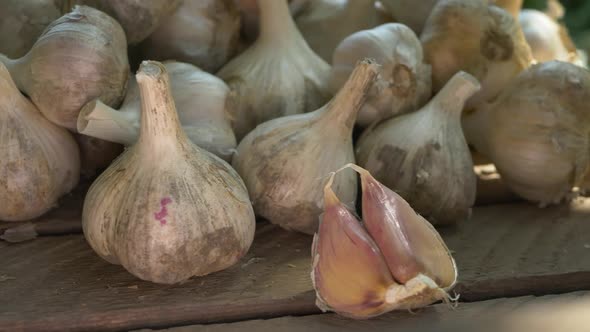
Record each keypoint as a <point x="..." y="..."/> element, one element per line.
<point x="167" y="210"/>
<point x="278" y="75"/>
<point x="204" y="33"/>
<point x="511" y="6"/>
<point x="283" y="161"/>
<point x="537" y="131"/>
<point x="201" y="101"/>
<point x="325" y="23"/>
<point x="80" y="57"/>
<point x="39" y="161"/>
<point x="410" y="13"/>
<point x="404" y="83"/>
<point x="477" y="38"/>
<point x="423" y="156"/>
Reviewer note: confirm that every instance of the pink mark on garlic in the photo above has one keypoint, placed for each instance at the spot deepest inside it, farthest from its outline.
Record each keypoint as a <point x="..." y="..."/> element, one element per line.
<point x="163" y="213"/>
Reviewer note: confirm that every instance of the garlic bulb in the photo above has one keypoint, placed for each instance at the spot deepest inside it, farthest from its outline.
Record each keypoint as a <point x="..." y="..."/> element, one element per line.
<point x="23" y="21"/>
<point x="423" y="156"/>
<point x="200" y="99"/>
<point x="204" y="33"/>
<point x="511" y="6"/>
<point x="167" y="210"/>
<point x="139" y="18"/>
<point x="404" y="82"/>
<point x="537" y="131"/>
<point x="478" y="38"/>
<point x="39" y="162"/>
<point x="325" y="23"/>
<point x="278" y="75"/>
<point x="283" y="161"/>
<point x="80" y="57"/>
<point x="250" y="15"/>
<point x="96" y="154"/>
<point x="410" y="13"/>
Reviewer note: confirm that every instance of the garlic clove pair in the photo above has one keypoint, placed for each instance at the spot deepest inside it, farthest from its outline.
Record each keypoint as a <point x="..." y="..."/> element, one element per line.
<point x="80" y="57"/>
<point x="39" y="161"/>
<point x="396" y="260"/>
<point x="404" y="83"/>
<point x="167" y="210"/>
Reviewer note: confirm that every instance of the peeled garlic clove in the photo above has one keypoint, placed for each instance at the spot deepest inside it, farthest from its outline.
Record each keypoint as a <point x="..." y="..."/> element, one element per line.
<point x="511" y="6"/>
<point x="278" y="75"/>
<point x="283" y="160"/>
<point x="96" y="154"/>
<point x="537" y="131"/>
<point x="80" y="57"/>
<point x="201" y="101"/>
<point x="424" y="156"/>
<point x="477" y="38"/>
<point x="410" y="13"/>
<point x="203" y="33"/>
<point x="166" y="209"/>
<point x="349" y="273"/>
<point x="404" y="82"/>
<point x="39" y="162"/>
<point x="325" y="23"/>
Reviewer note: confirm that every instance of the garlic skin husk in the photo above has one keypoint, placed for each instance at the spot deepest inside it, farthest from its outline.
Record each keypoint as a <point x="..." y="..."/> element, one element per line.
<point x="204" y="33"/>
<point x="404" y="83"/>
<point x="537" y="131"/>
<point x="96" y="154"/>
<point x="23" y="21"/>
<point x="512" y="6"/>
<point x="167" y="210"/>
<point x="283" y="161"/>
<point x="413" y="14"/>
<point x="480" y="39"/>
<point x="80" y="57"/>
<point x="278" y="75"/>
<point x="423" y="156"/>
<point x="325" y="23"/>
<point x="139" y="18"/>
<point x="201" y="101"/>
<point x="39" y="161"/>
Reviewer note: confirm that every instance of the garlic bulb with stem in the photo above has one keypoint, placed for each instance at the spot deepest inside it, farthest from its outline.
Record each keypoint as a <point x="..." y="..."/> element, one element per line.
<point x="537" y="131"/>
<point x="410" y="13"/>
<point x="511" y="6"/>
<point x="80" y="57"/>
<point x="283" y="160"/>
<point x="481" y="39"/>
<point x="204" y="33"/>
<point x="201" y="101"/>
<point x="39" y="161"/>
<point x="278" y="75"/>
<point x="423" y="156"/>
<point x="167" y="210"/>
<point x="404" y="83"/>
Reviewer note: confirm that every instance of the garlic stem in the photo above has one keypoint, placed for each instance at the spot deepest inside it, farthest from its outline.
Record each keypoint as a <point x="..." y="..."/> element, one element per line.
<point x="276" y="23"/>
<point x="452" y="97"/>
<point x="101" y="121"/>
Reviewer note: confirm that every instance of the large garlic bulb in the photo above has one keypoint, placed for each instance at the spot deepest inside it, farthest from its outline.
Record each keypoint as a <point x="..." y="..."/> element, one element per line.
<point x="278" y="75"/>
<point x="204" y="33"/>
<point x="166" y="209"/>
<point x="404" y="83"/>
<point x="423" y="156"/>
<point x="201" y="101"/>
<point x="80" y="57"/>
<point x="284" y="161"/>
<point x="39" y="161"/>
<point x="537" y="131"/>
<point x="325" y="23"/>
<point x="409" y="12"/>
<point x="477" y="38"/>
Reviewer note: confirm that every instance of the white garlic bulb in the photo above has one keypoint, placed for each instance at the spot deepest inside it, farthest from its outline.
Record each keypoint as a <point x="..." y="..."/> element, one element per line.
<point x="410" y="13"/>
<point x="404" y="83"/>
<point x="283" y="161"/>
<point x="423" y="156"/>
<point x="39" y="161"/>
<point x="537" y="131"/>
<point x="166" y="210"/>
<point x="201" y="101"/>
<point x="278" y="75"/>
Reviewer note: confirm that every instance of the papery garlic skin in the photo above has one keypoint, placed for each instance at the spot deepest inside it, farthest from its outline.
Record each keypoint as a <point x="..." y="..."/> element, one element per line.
<point x="537" y="131"/>
<point x="167" y="210"/>
<point x="204" y="33"/>
<point x="404" y="83"/>
<point x="278" y="75"/>
<point x="424" y="157"/>
<point x="80" y="57"/>
<point x="410" y="13"/>
<point x="283" y="161"/>
<point x="39" y="161"/>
